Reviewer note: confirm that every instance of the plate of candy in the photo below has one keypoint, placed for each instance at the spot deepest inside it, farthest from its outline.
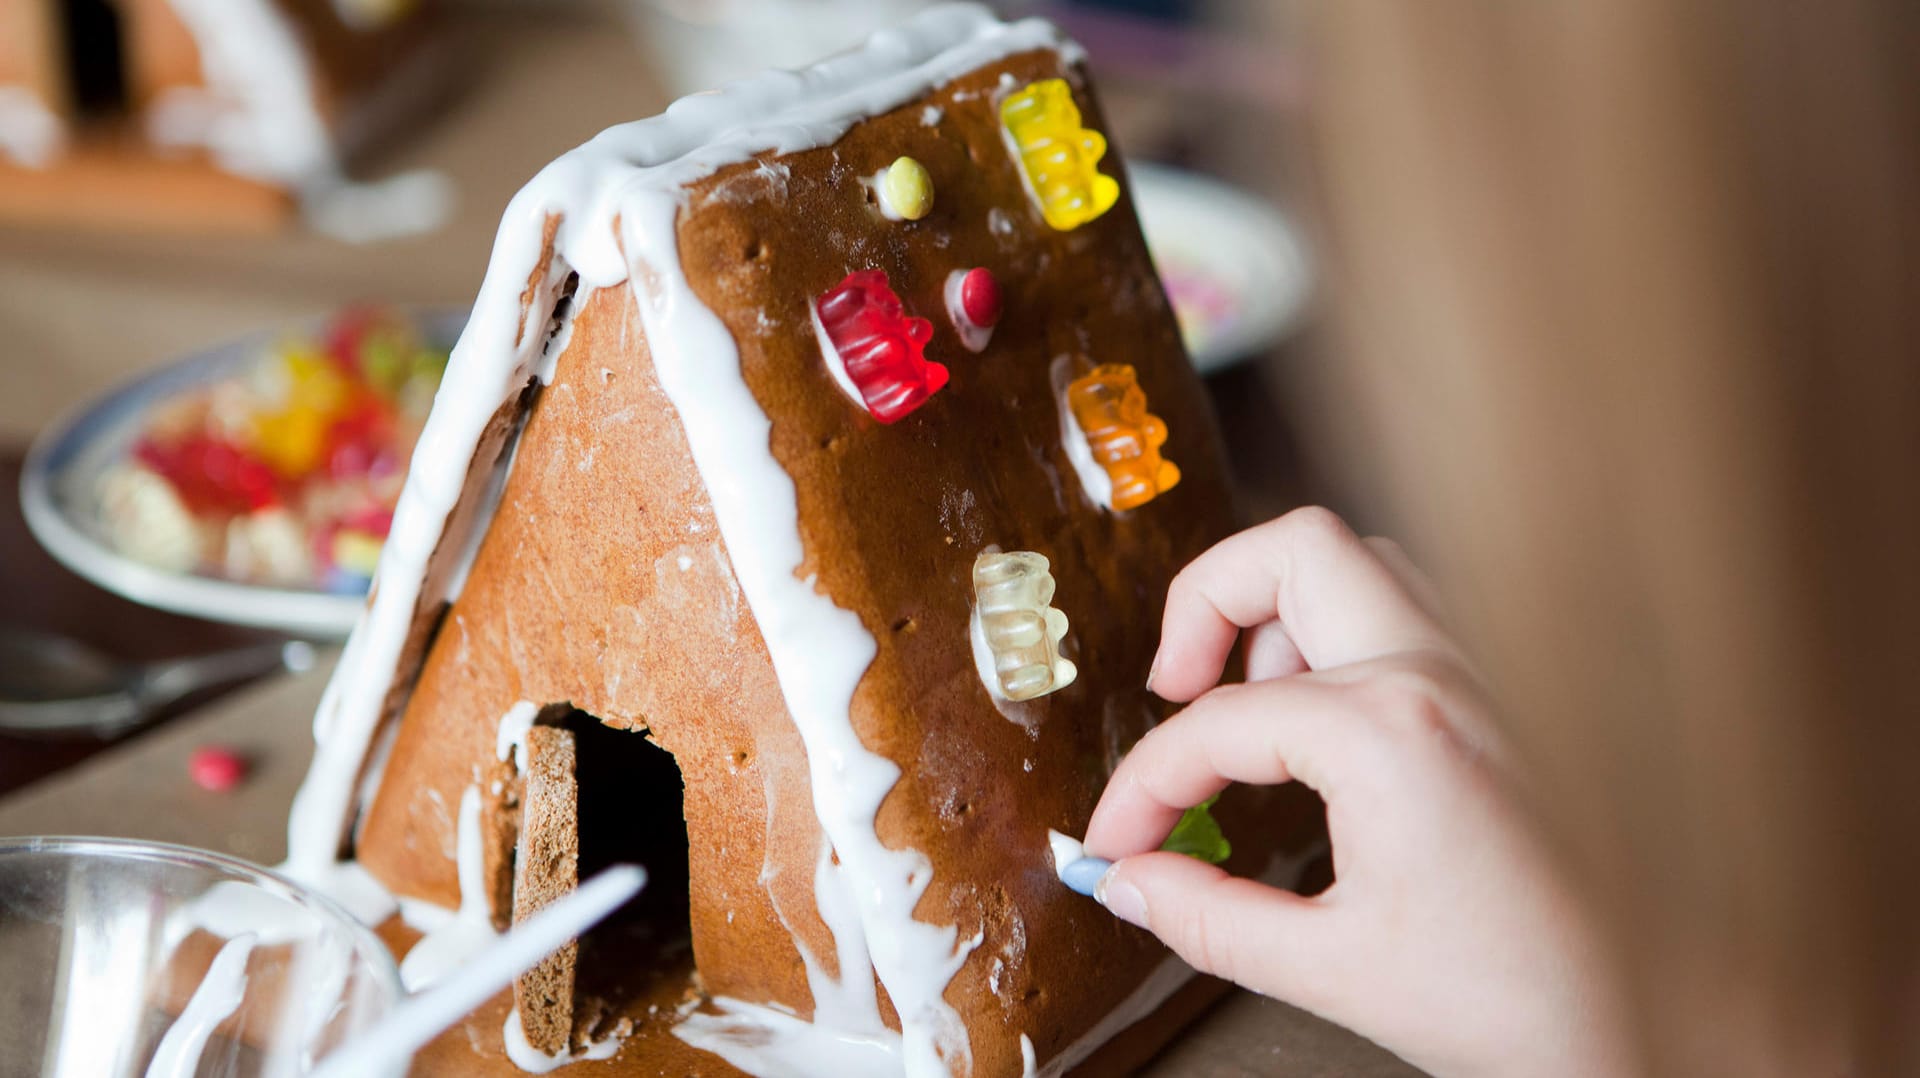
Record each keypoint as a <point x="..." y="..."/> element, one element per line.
<point x="1234" y="266"/>
<point x="252" y="483"/>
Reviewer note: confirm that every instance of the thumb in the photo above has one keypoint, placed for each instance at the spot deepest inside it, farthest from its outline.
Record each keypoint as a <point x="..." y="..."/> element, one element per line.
<point x="1260" y="937"/>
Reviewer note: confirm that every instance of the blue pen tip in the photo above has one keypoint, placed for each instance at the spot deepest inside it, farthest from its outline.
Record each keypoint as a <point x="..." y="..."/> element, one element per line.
<point x="1083" y="875"/>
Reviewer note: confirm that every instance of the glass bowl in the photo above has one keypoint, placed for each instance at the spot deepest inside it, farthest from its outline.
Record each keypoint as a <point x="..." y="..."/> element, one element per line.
<point x="145" y="959"/>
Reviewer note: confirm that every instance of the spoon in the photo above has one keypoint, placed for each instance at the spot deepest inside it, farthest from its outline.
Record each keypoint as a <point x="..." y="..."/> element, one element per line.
<point x="57" y="685"/>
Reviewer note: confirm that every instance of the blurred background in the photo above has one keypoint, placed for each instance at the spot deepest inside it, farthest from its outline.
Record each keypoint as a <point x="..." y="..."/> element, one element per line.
<point x="1607" y="311"/>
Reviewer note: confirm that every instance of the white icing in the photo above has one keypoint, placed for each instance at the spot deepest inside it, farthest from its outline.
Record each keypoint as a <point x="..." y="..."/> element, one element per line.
<point x="1026" y="1057"/>
<point x="455" y="939"/>
<point x="975" y="337"/>
<point x="1093" y="478"/>
<point x="772" y="1044"/>
<point x="635" y="174"/>
<point x="30" y="134"/>
<point x="511" y="742"/>
<point x="877" y="183"/>
<point x="1065" y="850"/>
<point x="232" y="908"/>
<point x="420" y="1018"/>
<point x="216" y="998"/>
<point x="532" y="1060"/>
<point x="831" y="357"/>
<point x="930" y="116"/>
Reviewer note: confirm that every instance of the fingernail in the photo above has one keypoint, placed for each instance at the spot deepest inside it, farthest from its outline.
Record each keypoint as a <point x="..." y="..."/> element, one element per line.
<point x="1152" y="670"/>
<point x="1084" y="875"/>
<point x="1121" y="899"/>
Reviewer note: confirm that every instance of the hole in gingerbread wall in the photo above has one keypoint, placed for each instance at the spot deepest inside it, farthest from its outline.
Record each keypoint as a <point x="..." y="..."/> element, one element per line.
<point x="631" y="812"/>
<point x="96" y="57"/>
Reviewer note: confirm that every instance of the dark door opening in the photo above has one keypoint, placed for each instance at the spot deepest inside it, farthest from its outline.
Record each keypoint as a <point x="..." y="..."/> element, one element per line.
<point x="631" y="798"/>
<point x="96" y="58"/>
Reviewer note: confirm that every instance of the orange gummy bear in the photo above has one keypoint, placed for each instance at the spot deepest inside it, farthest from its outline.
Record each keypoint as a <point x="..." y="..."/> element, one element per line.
<point x="1111" y="409"/>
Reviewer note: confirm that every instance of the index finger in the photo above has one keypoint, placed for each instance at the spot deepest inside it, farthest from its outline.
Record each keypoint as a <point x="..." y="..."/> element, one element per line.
<point x="1264" y="733"/>
<point x="1333" y="599"/>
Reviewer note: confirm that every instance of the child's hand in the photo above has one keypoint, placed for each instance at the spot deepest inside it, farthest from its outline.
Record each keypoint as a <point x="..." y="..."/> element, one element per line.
<point x="1448" y="936"/>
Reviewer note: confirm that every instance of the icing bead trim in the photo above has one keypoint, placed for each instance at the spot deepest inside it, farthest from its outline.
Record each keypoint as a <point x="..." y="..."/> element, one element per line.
<point x="1016" y="633"/>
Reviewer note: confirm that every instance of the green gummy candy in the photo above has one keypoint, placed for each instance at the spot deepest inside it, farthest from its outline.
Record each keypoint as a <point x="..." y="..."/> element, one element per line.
<point x="1198" y="835"/>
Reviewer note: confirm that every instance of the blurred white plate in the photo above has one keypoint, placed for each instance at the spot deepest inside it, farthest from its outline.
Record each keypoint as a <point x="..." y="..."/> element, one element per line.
<point x="59" y="494"/>
<point x="1234" y="267"/>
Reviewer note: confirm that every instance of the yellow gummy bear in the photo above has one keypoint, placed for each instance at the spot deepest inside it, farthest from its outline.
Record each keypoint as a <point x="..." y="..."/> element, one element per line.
<point x="1111" y="409"/>
<point x="1058" y="155"/>
<point x="1021" y="632"/>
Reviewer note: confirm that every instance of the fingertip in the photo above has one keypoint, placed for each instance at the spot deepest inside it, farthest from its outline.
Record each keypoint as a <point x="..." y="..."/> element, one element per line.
<point x="1084" y="876"/>
<point x="1182" y="669"/>
<point x="1171" y="879"/>
<point x="1121" y="898"/>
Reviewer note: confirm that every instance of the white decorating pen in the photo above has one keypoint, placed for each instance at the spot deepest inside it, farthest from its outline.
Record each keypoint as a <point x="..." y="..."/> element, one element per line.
<point x="391" y="1042"/>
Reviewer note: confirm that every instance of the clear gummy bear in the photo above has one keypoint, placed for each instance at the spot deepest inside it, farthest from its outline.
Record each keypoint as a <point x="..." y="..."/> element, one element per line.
<point x="1021" y="631"/>
<point x="1058" y="155"/>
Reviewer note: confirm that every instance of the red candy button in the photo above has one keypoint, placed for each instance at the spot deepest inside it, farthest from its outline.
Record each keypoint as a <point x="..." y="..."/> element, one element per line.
<point x="216" y="768"/>
<point x="980" y="298"/>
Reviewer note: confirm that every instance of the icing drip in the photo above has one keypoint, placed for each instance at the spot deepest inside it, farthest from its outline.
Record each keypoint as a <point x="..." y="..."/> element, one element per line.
<point x="496" y="356"/>
<point x="218" y="995"/>
<point x="460" y="936"/>
<point x="634" y="174"/>
<point x="532" y="1060"/>
<point x="773" y="1044"/>
<point x="511" y="742"/>
<point x="819" y="650"/>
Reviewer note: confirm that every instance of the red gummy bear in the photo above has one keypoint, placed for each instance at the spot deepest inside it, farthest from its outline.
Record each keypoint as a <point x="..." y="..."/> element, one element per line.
<point x="883" y="350"/>
<point x="210" y="475"/>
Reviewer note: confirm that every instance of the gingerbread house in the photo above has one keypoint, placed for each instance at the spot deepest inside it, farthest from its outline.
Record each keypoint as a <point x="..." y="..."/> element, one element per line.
<point x="196" y="113"/>
<point x="793" y="520"/>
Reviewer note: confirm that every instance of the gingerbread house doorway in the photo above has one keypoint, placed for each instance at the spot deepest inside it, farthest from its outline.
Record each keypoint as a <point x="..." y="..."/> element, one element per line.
<point x="95" y="56"/>
<point x="628" y="808"/>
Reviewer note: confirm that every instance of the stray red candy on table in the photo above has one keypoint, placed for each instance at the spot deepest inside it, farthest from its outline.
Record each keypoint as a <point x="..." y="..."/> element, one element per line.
<point x="216" y="768"/>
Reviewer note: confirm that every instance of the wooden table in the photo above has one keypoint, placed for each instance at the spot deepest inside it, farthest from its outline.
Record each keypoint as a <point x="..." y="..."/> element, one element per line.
<point x="80" y="313"/>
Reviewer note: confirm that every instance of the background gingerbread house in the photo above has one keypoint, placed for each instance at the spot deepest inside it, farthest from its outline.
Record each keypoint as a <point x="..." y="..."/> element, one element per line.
<point x="196" y="113"/>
